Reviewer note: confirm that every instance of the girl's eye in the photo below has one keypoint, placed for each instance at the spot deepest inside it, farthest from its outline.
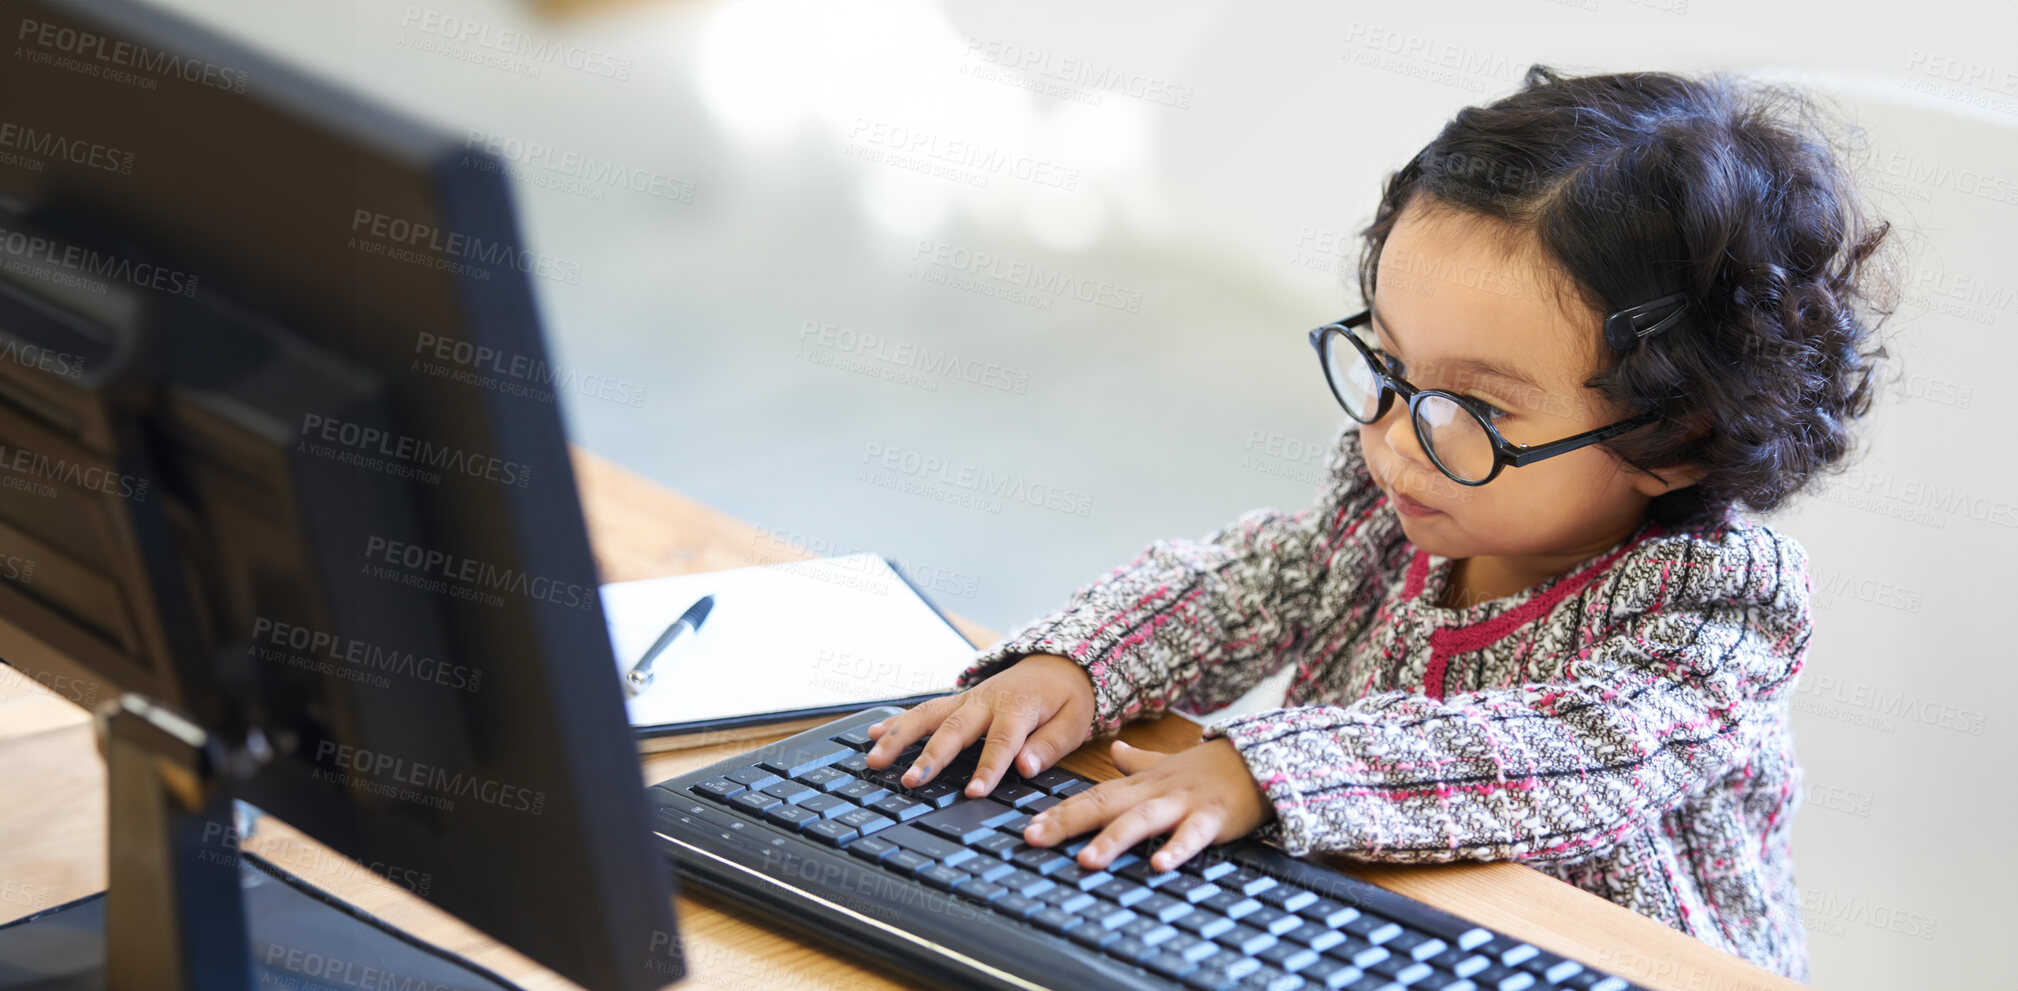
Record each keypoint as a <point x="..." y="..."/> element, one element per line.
<point x="1492" y="412"/>
<point x="1398" y="369"/>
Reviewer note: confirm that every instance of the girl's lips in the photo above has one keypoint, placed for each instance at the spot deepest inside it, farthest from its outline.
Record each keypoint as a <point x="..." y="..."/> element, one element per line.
<point x="1403" y="504"/>
<point x="1409" y="507"/>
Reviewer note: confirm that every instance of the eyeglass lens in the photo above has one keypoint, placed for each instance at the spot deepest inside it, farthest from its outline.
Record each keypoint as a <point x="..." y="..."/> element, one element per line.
<point x="1456" y="439"/>
<point x="1357" y="384"/>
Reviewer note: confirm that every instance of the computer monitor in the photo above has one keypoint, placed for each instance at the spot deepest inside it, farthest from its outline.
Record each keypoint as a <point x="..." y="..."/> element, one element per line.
<point x="281" y="453"/>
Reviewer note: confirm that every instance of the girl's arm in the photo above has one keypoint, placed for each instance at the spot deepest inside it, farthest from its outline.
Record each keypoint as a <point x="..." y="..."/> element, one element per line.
<point x="1671" y="697"/>
<point x="1207" y="619"/>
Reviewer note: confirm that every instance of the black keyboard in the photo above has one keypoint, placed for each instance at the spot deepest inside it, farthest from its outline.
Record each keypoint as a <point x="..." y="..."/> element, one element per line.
<point x="942" y="886"/>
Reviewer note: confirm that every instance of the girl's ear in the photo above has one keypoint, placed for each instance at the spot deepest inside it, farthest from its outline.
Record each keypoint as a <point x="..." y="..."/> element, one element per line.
<point x="1667" y="480"/>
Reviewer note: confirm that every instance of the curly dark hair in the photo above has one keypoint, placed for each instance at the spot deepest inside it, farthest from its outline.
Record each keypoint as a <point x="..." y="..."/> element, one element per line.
<point x="1641" y="184"/>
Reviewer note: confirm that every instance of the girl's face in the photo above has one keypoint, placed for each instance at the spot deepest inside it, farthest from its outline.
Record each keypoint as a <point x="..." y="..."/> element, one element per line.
<point x="1460" y="315"/>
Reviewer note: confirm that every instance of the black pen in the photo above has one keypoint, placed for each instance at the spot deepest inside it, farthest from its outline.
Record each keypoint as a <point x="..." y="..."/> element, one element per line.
<point x="639" y="677"/>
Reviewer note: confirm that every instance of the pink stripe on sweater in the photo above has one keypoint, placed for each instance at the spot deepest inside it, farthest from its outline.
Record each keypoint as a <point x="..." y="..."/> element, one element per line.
<point x="1418" y="572"/>
<point x="1464" y="639"/>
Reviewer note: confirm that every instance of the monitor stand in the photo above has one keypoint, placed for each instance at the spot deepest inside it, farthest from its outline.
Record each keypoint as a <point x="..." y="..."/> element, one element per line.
<point x="176" y="920"/>
<point x="172" y="919"/>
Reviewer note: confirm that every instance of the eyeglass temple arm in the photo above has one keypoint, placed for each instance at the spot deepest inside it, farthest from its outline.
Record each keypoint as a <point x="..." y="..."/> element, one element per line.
<point x="1528" y="455"/>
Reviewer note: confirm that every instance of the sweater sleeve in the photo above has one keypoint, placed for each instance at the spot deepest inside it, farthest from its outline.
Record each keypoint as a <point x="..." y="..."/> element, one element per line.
<point x="1660" y="705"/>
<point x="1207" y="619"/>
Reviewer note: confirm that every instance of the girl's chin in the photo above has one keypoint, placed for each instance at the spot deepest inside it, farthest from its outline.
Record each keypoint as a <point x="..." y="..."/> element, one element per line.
<point x="1431" y="533"/>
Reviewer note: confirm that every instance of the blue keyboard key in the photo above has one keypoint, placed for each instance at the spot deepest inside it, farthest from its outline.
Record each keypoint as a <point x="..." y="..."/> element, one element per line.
<point x="987" y="868"/>
<point x="751" y="777"/>
<point x="907" y="862"/>
<point x="966" y="822"/>
<point x="1143" y="874"/>
<point x="1096" y="937"/>
<point x="1015" y="795"/>
<point x="827" y="806"/>
<point x="755" y="802"/>
<point x="826" y="778"/>
<point x="790" y="816"/>
<point x="1247" y="881"/>
<point x="1049" y="780"/>
<point x="1191" y="947"/>
<point x="1027" y="884"/>
<point x="931" y="847"/>
<point x="1204" y="924"/>
<point x="719" y="789"/>
<point x="830" y="832"/>
<point x="1122" y="892"/>
<point x="864" y="821"/>
<point x="1162" y="907"/>
<point x="1070" y="900"/>
<point x="900" y="808"/>
<point x="1016" y="906"/>
<point x="1190" y="889"/>
<point x="943" y="877"/>
<point x="861" y="792"/>
<point x="1000" y="845"/>
<point x="1111" y="916"/>
<point x="799" y="760"/>
<point x="790" y="791"/>
<point x="1055" y="919"/>
<point x="1040" y="860"/>
<point x="1245" y="939"/>
<point x="1169" y="965"/>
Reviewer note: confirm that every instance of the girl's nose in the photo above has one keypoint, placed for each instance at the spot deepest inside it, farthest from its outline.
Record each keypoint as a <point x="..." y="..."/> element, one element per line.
<point x="1399" y="433"/>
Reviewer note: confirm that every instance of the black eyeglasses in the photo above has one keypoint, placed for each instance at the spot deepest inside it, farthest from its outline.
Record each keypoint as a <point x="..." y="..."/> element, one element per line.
<point x="1456" y="431"/>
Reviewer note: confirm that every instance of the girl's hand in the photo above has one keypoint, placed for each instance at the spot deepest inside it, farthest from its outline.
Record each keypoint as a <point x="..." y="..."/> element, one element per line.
<point x="1199" y="796"/>
<point x="1035" y="711"/>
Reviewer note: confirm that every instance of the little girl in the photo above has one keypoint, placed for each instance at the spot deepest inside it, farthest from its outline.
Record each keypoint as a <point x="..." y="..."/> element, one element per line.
<point x="1528" y="621"/>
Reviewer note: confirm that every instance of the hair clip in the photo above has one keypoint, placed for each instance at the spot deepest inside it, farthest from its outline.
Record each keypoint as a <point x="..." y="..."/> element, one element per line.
<point x="1621" y="331"/>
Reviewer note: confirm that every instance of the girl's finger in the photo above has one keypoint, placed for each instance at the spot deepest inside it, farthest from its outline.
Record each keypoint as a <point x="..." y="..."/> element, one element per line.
<point x="1134" y="760"/>
<point x="1006" y="731"/>
<point x="1197" y="832"/>
<point x="1053" y="740"/>
<point x="899" y="730"/>
<point x="963" y="726"/>
<point x="1136" y="823"/>
<point x="1090" y="809"/>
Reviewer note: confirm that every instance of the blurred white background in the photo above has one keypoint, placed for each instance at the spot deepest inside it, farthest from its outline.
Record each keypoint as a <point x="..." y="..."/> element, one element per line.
<point x="1119" y="220"/>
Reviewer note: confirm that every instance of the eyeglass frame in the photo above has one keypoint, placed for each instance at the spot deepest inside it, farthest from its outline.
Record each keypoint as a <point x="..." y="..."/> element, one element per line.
<point x="1506" y="454"/>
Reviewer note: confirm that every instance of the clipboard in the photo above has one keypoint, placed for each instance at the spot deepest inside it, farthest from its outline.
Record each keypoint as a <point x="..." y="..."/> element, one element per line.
<point x="824" y="637"/>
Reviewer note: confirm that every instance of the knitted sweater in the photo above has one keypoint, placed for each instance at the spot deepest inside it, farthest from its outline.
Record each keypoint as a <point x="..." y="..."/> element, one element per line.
<point x="1623" y="726"/>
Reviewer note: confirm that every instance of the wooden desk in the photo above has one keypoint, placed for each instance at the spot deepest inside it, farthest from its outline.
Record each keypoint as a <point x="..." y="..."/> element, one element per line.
<point x="52" y="814"/>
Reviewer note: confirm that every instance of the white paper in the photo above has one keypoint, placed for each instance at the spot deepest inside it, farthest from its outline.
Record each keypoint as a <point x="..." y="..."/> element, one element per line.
<point x="780" y="637"/>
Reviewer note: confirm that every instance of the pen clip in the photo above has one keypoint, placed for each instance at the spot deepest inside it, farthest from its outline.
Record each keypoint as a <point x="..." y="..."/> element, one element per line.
<point x="639" y="677"/>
